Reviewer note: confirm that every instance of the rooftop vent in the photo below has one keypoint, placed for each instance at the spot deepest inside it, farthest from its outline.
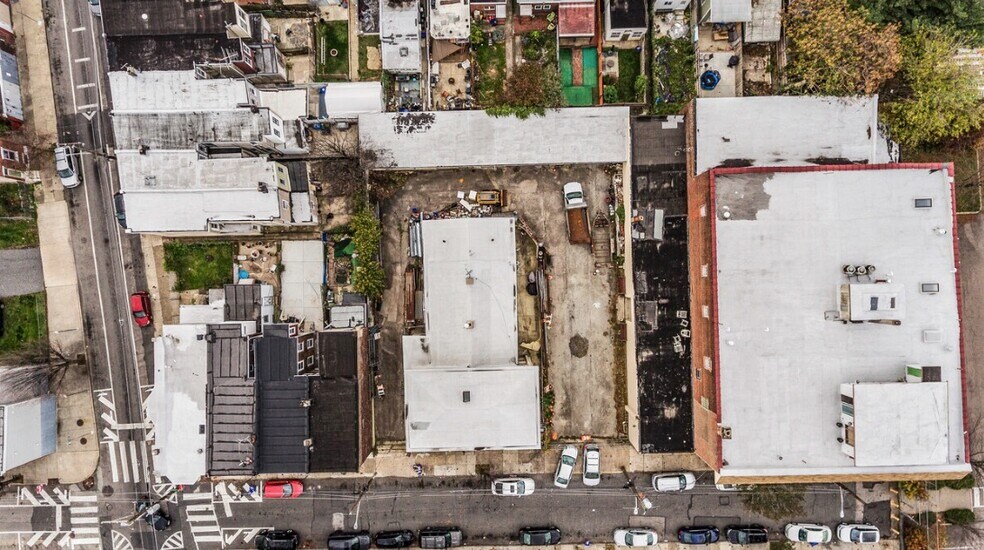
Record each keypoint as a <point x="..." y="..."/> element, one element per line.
<point x="932" y="336"/>
<point x="466" y="396"/>
<point x="469" y="324"/>
<point x="150" y="181"/>
<point x="923" y="203"/>
<point x="725" y="432"/>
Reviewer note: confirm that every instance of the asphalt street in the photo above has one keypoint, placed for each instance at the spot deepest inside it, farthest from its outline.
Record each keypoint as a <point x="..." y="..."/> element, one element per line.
<point x="582" y="513"/>
<point x="108" y="270"/>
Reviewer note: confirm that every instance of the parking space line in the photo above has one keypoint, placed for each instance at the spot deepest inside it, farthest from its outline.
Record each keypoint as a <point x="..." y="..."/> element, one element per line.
<point x="84" y="86"/>
<point x="83" y="59"/>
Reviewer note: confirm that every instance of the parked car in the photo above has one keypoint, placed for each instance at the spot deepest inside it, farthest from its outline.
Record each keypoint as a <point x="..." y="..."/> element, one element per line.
<point x="698" y="534"/>
<point x="120" y="208"/>
<point x="277" y="539"/>
<point x="668" y="483"/>
<point x="153" y="514"/>
<point x="726" y="487"/>
<point x="140" y="308"/>
<point x="394" y="539"/>
<point x="811" y="533"/>
<point x="592" y="465"/>
<point x="635" y="537"/>
<point x="746" y="534"/>
<point x="65" y="167"/>
<point x="513" y="486"/>
<point x="539" y="536"/>
<point x="286" y="488"/>
<point x="440" y="537"/>
<point x="858" y="533"/>
<point x="349" y="540"/>
<point x="565" y="467"/>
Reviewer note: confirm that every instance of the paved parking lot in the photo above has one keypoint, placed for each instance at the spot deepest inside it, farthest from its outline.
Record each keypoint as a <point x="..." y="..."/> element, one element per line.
<point x="584" y="386"/>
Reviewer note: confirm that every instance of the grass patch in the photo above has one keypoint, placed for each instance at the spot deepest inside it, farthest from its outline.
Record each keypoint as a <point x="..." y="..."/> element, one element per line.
<point x="366" y="42"/>
<point x="965" y="166"/>
<point x="25" y="323"/>
<point x="491" y="68"/>
<point x="629" y="69"/>
<point x="331" y="35"/>
<point x="18" y="233"/>
<point x="200" y="265"/>
<point x="674" y="75"/>
<point x="16" y="199"/>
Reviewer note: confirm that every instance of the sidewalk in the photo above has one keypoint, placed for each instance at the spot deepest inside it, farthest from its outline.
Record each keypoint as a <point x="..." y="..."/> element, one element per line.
<point x="77" y="454"/>
<point x="393" y="461"/>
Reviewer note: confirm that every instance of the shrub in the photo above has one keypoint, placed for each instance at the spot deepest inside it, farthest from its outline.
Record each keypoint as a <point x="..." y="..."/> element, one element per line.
<point x="915" y="538"/>
<point x="610" y="93"/>
<point x="914" y="490"/>
<point x="959" y="516"/>
<point x="966" y="482"/>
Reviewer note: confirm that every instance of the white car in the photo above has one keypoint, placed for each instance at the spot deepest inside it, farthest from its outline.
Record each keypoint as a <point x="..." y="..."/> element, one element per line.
<point x="513" y="486"/>
<point x="858" y="533"/>
<point x="635" y="537"/>
<point x="810" y="533"/>
<point x="65" y="167"/>
<point x="671" y="483"/>
<point x="573" y="195"/>
<point x="565" y="467"/>
<point x="592" y="465"/>
<point x="726" y="487"/>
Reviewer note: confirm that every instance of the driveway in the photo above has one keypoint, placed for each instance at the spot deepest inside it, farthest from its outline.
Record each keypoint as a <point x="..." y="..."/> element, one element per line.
<point x="20" y="272"/>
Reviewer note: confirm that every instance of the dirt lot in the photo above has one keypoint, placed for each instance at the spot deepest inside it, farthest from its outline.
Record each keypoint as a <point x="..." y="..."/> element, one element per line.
<point x="584" y="386"/>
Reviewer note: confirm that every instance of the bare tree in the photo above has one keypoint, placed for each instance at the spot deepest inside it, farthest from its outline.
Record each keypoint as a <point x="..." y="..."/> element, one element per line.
<point x="26" y="371"/>
<point x="350" y="167"/>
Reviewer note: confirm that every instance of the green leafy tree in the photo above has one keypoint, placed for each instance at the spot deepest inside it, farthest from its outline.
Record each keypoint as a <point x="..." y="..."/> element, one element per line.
<point x="531" y="89"/>
<point x="610" y="93"/>
<point x="965" y="16"/>
<point x="835" y="50"/>
<point x="935" y="98"/>
<point x="775" y="502"/>
<point x="368" y="278"/>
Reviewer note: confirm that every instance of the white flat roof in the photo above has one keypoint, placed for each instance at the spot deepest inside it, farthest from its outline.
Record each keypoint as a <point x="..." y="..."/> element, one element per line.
<point x="449" y="19"/>
<point x="780" y="255"/>
<point x="446" y="139"/>
<point x="289" y="104"/>
<point x="399" y="35"/>
<point x="302" y="281"/>
<point x="787" y="131"/>
<point x="28" y="431"/>
<point x="483" y="249"/>
<point x="348" y="100"/>
<point x="919" y="413"/>
<point x="471" y="344"/>
<point x="177" y="191"/>
<point x="156" y="91"/>
<point x="176" y="404"/>
<point x="503" y="411"/>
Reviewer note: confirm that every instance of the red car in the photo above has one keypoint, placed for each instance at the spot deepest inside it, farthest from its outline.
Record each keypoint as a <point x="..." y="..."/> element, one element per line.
<point x="140" y="307"/>
<point x="288" y="488"/>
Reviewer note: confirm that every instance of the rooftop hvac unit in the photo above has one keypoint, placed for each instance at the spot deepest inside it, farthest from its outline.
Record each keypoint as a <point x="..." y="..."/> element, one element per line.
<point x="921" y="373"/>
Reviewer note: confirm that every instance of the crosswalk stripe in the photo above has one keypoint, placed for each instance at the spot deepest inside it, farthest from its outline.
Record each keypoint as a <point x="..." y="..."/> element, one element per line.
<point x="35" y="538"/>
<point x="114" y="464"/>
<point x="197" y="496"/>
<point x="84" y="520"/>
<point x="120" y="542"/>
<point x="144" y="463"/>
<point x="26" y="493"/>
<point x="174" y="542"/>
<point x="134" y="461"/>
<point x="86" y="510"/>
<point x="83" y="498"/>
<point x="198" y="528"/>
<point x="124" y="467"/>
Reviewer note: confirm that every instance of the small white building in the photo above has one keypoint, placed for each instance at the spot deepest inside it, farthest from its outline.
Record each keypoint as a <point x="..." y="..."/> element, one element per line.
<point x="725" y="11"/>
<point x="345" y="101"/>
<point x="625" y="20"/>
<point x="28" y="431"/>
<point x="399" y="36"/>
<point x="450" y="20"/>
<point x="670" y="5"/>
<point x="465" y="387"/>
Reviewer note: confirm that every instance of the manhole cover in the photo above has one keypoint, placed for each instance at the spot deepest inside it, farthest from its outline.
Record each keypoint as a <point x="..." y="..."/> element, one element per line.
<point x="79" y="422"/>
<point x="83" y="441"/>
<point x="579" y="346"/>
<point x="107" y="490"/>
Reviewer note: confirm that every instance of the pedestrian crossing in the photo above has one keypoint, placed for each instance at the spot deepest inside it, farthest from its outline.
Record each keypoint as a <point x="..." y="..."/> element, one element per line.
<point x="202" y="522"/>
<point x="121" y="542"/>
<point x="128" y="461"/>
<point x="174" y="542"/>
<point x="84" y="520"/>
<point x="243" y="535"/>
<point x="42" y="496"/>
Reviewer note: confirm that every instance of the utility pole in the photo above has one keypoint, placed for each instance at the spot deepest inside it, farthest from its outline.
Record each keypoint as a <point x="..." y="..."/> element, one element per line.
<point x="636" y="493"/>
<point x="358" y="503"/>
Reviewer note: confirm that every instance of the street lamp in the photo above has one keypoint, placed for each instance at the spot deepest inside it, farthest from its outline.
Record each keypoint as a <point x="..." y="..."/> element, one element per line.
<point x="39" y="22"/>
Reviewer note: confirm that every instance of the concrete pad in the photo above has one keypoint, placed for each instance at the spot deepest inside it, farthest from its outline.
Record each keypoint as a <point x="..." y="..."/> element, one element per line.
<point x="77" y="453"/>
<point x="54" y="232"/>
<point x="20" y="272"/>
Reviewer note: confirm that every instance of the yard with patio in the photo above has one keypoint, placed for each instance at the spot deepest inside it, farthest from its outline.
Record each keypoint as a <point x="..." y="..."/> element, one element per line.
<point x="489" y="58"/>
<point x="674" y="75"/>
<point x="331" y="50"/>
<point x="579" y="75"/>
<point x="622" y="75"/>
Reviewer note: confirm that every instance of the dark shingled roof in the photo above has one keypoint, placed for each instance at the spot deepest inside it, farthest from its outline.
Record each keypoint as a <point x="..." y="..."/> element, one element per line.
<point x="283" y="420"/>
<point x="231" y="403"/>
<point x="242" y="302"/>
<point x="297" y="170"/>
<point x="335" y="412"/>
<point x="627" y="14"/>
